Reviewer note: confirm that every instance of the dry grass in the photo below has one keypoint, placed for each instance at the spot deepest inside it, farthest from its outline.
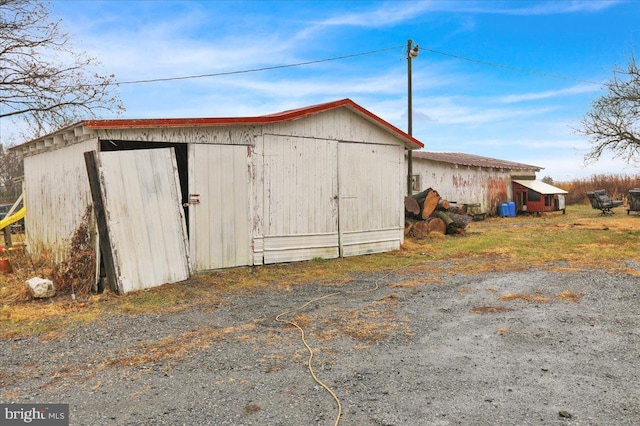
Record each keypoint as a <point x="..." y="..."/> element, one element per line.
<point x="481" y="310"/>
<point x="616" y="185"/>
<point x="536" y="297"/>
<point x="171" y="348"/>
<point x="416" y="282"/>
<point x="570" y="296"/>
<point x="567" y="243"/>
<point x="366" y="324"/>
<point x="132" y="360"/>
<point x="76" y="274"/>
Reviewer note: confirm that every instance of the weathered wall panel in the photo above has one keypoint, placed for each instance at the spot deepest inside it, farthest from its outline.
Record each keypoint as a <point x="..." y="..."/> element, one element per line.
<point x="145" y="217"/>
<point x="339" y="124"/>
<point x="300" y="198"/>
<point x="256" y="191"/>
<point x="220" y="135"/>
<point x="468" y="184"/>
<point x="56" y="195"/>
<point x="371" y="198"/>
<point x="219" y="224"/>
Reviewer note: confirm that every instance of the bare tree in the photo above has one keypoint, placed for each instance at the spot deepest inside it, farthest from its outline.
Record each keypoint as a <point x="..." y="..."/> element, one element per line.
<point x="613" y="123"/>
<point x="44" y="83"/>
<point x="11" y="168"/>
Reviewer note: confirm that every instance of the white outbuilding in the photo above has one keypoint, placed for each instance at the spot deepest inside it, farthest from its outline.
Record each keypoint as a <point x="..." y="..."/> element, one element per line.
<point x="174" y="196"/>
<point x="473" y="180"/>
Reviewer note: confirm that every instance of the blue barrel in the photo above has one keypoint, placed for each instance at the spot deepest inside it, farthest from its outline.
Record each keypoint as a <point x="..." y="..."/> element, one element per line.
<point x="503" y="210"/>
<point x="512" y="208"/>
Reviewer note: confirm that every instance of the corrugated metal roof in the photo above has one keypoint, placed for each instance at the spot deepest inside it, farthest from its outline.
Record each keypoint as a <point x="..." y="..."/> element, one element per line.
<point x="541" y="187"/>
<point x="472" y="160"/>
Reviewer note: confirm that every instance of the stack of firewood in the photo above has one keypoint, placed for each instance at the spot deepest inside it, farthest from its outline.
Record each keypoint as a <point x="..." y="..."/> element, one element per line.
<point x="427" y="213"/>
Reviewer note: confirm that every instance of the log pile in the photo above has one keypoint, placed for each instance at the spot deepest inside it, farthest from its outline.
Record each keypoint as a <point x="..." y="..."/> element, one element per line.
<point x="427" y="213"/>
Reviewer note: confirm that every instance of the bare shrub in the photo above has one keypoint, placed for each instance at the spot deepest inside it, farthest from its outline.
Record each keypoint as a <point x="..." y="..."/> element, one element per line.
<point x="616" y="185"/>
<point x="76" y="275"/>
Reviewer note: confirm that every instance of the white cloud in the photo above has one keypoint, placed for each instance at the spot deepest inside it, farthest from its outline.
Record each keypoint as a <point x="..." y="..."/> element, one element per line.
<point x="526" y="7"/>
<point x="573" y="90"/>
<point x="459" y="110"/>
<point x="389" y="13"/>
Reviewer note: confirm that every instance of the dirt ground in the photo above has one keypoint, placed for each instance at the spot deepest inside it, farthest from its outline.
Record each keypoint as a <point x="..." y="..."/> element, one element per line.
<point x="535" y="347"/>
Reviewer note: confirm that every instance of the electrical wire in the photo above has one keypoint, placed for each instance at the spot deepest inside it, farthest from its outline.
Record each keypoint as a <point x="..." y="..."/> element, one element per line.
<point x="278" y="318"/>
<point x="337" y="58"/>
<point x="507" y="67"/>
<point x="275" y="67"/>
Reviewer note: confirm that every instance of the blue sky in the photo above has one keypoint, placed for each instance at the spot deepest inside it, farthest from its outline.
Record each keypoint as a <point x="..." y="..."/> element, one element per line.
<point x="460" y="105"/>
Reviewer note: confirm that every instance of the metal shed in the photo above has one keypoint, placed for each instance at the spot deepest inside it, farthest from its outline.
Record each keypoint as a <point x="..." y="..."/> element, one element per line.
<point x="183" y="195"/>
<point x="482" y="182"/>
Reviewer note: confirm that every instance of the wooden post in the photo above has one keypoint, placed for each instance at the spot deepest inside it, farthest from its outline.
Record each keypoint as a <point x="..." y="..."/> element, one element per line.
<point x="7" y="236"/>
<point x="91" y="161"/>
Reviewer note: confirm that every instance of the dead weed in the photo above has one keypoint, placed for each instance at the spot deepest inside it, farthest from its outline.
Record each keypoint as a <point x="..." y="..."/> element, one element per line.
<point x="481" y="310"/>
<point x="536" y="297"/>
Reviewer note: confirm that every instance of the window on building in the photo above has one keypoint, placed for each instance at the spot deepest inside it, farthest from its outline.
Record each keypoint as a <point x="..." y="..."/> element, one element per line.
<point x="415" y="183"/>
<point x="534" y="196"/>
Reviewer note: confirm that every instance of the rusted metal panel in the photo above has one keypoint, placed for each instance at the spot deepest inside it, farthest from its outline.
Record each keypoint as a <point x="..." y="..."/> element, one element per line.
<point x="371" y="198"/>
<point x="462" y="159"/>
<point x="145" y="217"/>
<point x="300" y="219"/>
<point x="486" y="186"/>
<point x="219" y="206"/>
<point x="57" y="195"/>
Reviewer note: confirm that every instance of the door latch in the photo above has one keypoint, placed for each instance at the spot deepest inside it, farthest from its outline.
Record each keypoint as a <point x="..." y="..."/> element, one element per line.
<point x="193" y="199"/>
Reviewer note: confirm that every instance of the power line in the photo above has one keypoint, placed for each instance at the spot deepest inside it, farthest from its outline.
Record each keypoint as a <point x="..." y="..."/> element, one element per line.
<point x="507" y="67"/>
<point x="354" y="55"/>
<point x="337" y="58"/>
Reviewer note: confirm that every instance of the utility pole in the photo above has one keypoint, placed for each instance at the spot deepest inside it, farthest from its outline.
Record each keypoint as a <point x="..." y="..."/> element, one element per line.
<point x="412" y="52"/>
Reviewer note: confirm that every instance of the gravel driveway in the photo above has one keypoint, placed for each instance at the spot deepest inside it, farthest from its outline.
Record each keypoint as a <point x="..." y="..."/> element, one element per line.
<point x="521" y="348"/>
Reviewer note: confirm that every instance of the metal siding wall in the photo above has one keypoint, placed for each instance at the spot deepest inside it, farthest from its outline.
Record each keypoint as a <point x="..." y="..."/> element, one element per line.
<point x="300" y="206"/>
<point x="145" y="217"/>
<point x="219" y="224"/>
<point x="334" y="125"/>
<point x="56" y="195"/>
<point x="467" y="185"/>
<point x="257" y="190"/>
<point x="218" y="135"/>
<point x="370" y="178"/>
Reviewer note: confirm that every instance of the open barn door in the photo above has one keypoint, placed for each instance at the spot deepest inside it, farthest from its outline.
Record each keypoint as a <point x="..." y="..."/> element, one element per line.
<point x="141" y="222"/>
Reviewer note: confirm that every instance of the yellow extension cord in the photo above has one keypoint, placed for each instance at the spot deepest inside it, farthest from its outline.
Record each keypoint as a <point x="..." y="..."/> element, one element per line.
<point x="304" y="340"/>
<point x="310" y="350"/>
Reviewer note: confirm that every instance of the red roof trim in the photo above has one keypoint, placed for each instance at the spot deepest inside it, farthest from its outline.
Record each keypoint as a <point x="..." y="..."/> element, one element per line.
<point x="284" y="116"/>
